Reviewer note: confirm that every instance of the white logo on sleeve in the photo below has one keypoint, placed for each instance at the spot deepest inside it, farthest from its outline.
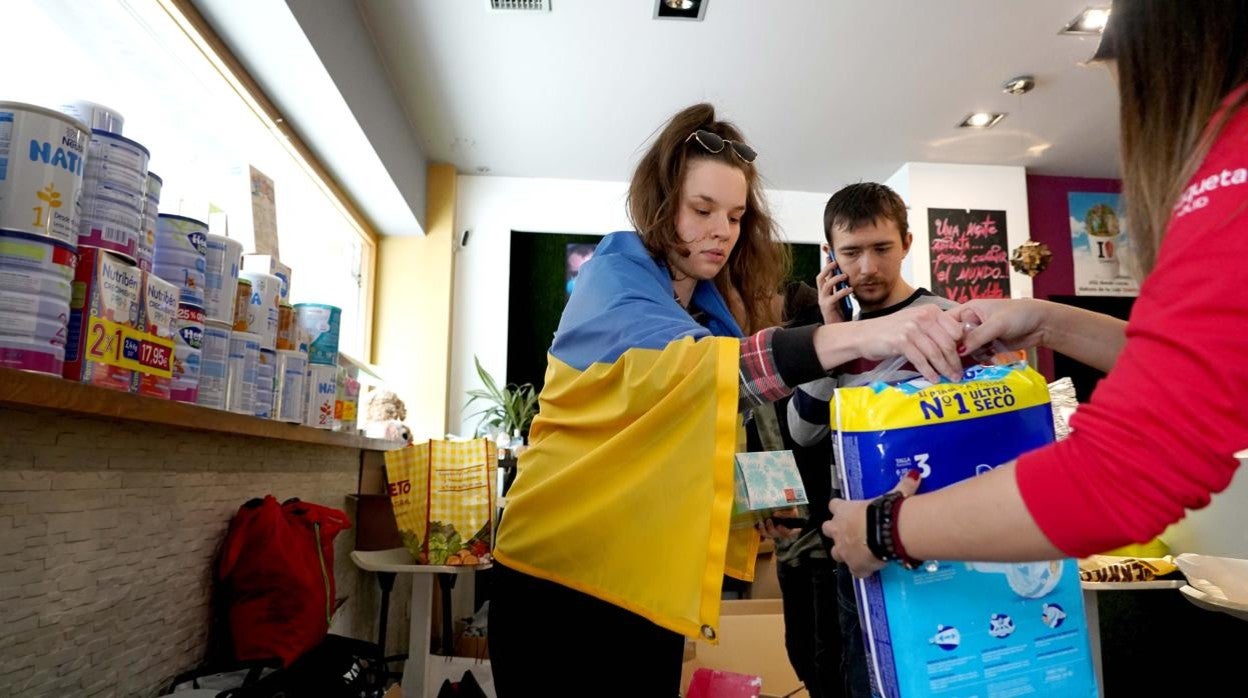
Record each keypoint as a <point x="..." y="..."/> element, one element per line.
<point x="1196" y="196"/>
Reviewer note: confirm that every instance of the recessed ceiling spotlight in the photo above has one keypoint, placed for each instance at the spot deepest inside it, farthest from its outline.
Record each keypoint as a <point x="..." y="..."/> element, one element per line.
<point x="1020" y="85"/>
<point x="981" y="119"/>
<point x="1089" y="22"/>
<point x="680" y="9"/>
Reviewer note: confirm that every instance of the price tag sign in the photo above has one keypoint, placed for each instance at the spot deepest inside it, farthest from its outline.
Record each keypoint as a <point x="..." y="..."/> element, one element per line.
<point x="123" y="346"/>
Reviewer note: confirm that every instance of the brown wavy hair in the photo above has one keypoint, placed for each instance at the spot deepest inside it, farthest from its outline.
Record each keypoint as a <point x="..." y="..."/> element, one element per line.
<point x="1177" y="62"/>
<point x="758" y="263"/>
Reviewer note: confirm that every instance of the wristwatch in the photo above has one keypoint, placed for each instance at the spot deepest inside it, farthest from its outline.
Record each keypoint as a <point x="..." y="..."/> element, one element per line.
<point x="882" y="538"/>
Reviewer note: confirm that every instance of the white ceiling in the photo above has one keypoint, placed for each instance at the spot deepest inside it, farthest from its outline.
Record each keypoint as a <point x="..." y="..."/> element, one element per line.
<point x="828" y="91"/>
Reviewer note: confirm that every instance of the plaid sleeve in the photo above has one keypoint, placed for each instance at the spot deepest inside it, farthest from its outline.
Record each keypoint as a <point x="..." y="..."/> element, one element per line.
<point x="760" y="377"/>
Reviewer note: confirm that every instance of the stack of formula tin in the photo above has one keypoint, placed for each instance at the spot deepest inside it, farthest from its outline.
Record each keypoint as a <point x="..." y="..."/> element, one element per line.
<point x="98" y="287"/>
<point x="121" y="329"/>
<point x="42" y="157"/>
<point x="282" y="365"/>
<point x="73" y="300"/>
<point x="181" y="259"/>
<point x="316" y="326"/>
<point x="220" y="302"/>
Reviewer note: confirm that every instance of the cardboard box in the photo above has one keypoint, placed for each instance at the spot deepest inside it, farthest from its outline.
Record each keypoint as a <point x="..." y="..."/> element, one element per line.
<point x="751" y="641"/>
<point x="375" y="526"/>
<point x="103" y="317"/>
<point x="157" y="317"/>
<point x="766" y="584"/>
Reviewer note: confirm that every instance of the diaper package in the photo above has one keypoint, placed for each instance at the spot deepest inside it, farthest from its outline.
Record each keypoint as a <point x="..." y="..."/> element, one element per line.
<point x="954" y="628"/>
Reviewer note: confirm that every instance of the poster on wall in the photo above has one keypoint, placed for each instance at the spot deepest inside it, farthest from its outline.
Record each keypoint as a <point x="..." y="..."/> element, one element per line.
<point x="578" y="254"/>
<point x="969" y="254"/>
<point x="1101" y="250"/>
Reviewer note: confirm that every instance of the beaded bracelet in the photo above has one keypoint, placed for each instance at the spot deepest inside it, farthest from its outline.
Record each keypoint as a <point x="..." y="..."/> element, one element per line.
<point x="882" y="538"/>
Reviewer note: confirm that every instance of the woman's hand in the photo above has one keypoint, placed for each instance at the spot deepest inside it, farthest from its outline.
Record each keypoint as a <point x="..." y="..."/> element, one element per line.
<point x="1016" y="323"/>
<point x="770" y="529"/>
<point x="829" y="296"/>
<point x="926" y="336"/>
<point x="848" y="529"/>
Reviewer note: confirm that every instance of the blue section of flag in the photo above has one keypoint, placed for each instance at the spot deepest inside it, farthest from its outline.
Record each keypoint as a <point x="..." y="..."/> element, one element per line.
<point x="623" y="300"/>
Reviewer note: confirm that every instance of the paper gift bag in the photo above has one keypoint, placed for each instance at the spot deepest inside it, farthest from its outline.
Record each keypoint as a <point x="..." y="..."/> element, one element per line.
<point x="443" y="498"/>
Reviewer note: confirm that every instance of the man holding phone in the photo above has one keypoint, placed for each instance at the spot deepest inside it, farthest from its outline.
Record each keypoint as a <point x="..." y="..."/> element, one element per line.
<point x="868" y="237"/>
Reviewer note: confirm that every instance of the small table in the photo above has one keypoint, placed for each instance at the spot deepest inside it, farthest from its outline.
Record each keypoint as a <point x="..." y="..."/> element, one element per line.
<point x="399" y="561"/>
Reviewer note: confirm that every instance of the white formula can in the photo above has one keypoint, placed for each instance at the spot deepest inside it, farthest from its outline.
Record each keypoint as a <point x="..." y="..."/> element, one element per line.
<point x="94" y="115"/>
<point x="214" y="361"/>
<point x="265" y="382"/>
<point x="42" y="158"/>
<point x="288" y="397"/>
<point x="187" y="351"/>
<point x="322" y="389"/>
<point x="240" y="383"/>
<point x="221" y="277"/>
<point x="146" y="252"/>
<point x="262" y="308"/>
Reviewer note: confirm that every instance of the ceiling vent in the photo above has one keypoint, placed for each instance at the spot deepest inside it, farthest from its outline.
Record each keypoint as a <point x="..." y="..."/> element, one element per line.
<point x="524" y="5"/>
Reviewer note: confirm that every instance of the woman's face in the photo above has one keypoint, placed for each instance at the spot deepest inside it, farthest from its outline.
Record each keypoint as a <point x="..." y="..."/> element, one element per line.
<point x="712" y="202"/>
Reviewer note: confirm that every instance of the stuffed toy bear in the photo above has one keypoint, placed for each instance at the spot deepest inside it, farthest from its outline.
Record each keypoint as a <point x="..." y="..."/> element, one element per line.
<point x="384" y="415"/>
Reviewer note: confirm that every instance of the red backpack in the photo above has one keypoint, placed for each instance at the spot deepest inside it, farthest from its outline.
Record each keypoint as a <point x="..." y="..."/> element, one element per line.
<point x="276" y="577"/>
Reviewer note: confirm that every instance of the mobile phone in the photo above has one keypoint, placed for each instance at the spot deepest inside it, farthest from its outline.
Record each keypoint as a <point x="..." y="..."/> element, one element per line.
<point x="846" y="308"/>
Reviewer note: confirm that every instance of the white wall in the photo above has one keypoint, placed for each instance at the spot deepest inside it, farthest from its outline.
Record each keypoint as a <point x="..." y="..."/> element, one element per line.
<point x="492" y="207"/>
<point x="1219" y="528"/>
<point x="925" y="185"/>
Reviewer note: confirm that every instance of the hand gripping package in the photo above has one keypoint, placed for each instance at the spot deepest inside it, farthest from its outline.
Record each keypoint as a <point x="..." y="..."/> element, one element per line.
<point x="957" y="628"/>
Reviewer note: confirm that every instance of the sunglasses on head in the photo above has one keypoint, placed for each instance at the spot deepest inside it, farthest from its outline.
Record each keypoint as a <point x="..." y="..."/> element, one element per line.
<point x="713" y="143"/>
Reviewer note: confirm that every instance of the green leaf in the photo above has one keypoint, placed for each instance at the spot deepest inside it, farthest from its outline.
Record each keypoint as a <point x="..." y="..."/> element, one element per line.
<point x="511" y="408"/>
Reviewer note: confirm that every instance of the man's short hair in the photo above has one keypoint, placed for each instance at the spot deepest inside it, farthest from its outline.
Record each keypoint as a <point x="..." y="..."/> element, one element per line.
<point x="865" y="203"/>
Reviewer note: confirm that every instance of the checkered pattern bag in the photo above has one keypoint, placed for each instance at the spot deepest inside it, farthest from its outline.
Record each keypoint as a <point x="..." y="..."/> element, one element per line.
<point x="443" y="498"/>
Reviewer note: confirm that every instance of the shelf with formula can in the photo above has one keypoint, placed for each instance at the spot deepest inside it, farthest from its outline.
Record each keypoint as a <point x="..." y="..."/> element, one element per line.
<point x="23" y="389"/>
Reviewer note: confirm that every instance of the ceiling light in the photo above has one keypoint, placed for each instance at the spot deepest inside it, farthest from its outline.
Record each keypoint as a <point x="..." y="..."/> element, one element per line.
<point x="1020" y="85"/>
<point x="680" y="9"/>
<point x="981" y="119"/>
<point x="1090" y="21"/>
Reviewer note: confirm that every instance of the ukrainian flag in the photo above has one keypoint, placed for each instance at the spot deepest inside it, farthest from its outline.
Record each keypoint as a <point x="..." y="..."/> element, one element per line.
<point x="626" y="489"/>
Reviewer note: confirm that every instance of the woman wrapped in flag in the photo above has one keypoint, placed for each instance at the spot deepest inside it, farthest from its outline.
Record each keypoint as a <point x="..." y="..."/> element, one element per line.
<point x="616" y="536"/>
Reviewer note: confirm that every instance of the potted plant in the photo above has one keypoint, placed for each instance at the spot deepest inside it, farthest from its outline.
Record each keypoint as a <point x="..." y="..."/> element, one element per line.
<point x="508" y="410"/>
